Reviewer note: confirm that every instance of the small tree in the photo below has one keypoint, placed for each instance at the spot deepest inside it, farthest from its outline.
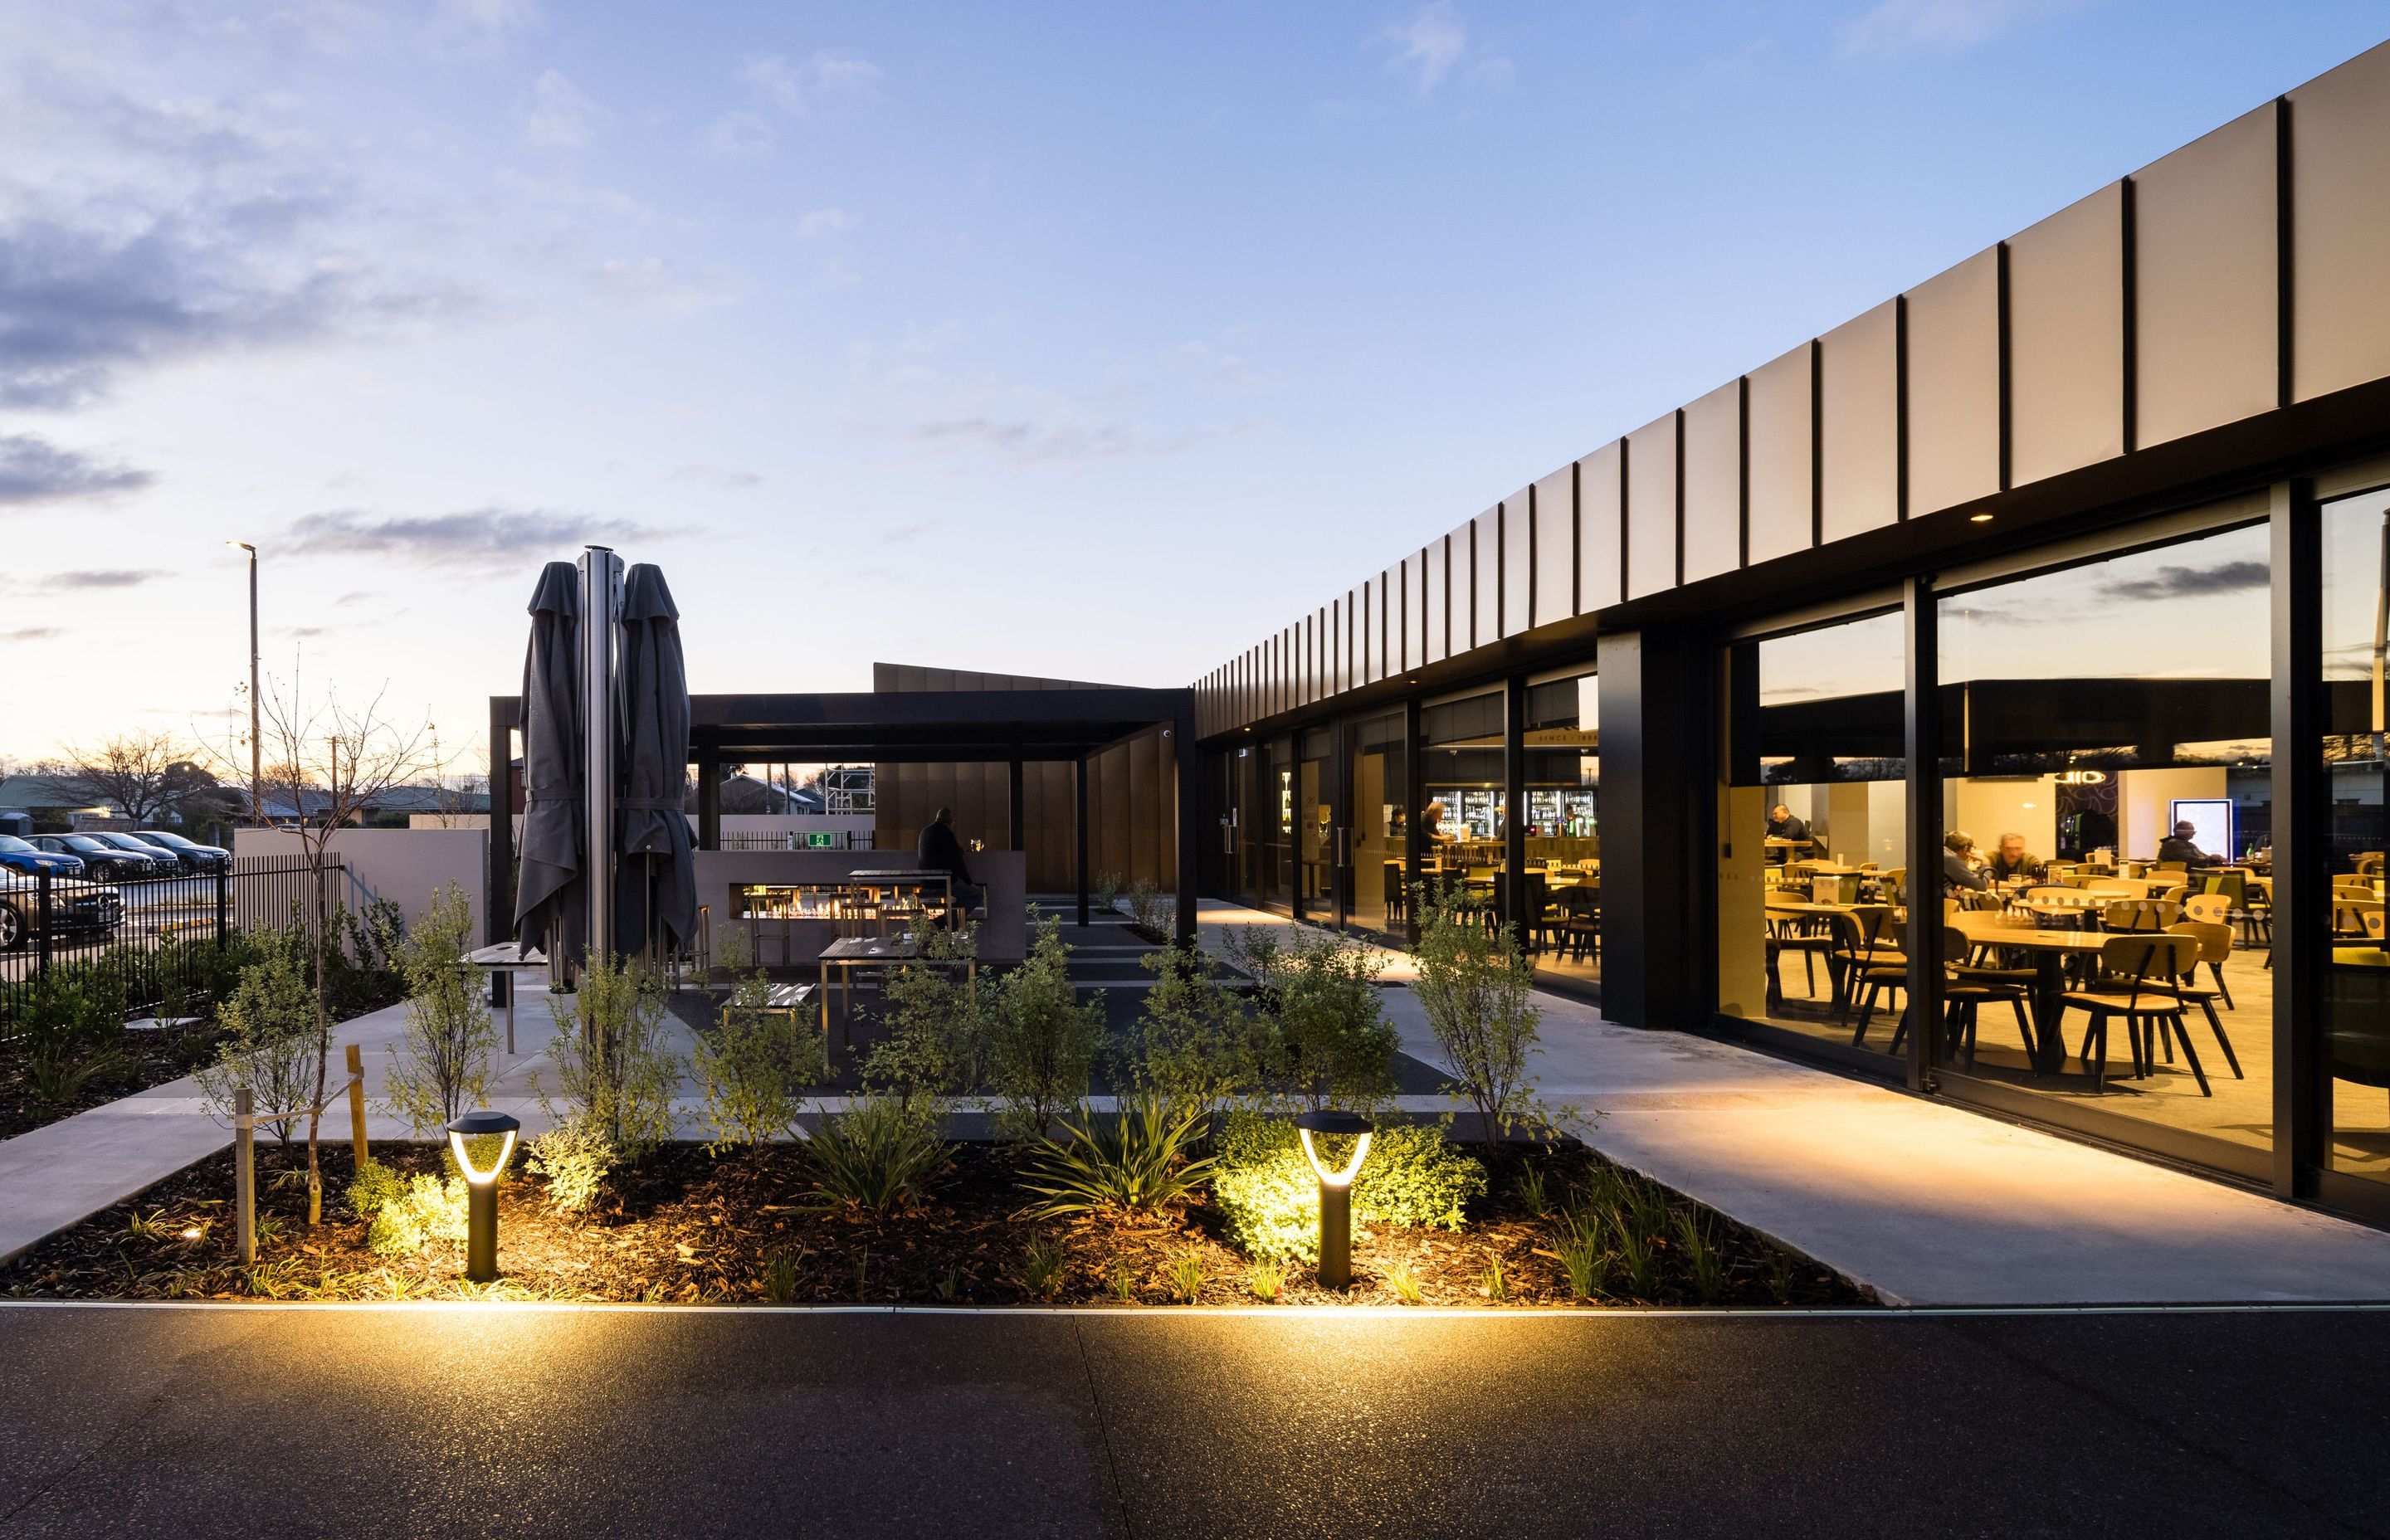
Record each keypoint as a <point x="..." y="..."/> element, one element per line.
<point x="1044" y="1040"/>
<point x="938" y="1025"/>
<point x="270" y="1051"/>
<point x="751" y="1067"/>
<point x="1196" y="1046"/>
<point x="1331" y="1040"/>
<point x="440" y="1067"/>
<point x="1478" y="993"/>
<point x="612" y="1064"/>
<point x="142" y="774"/>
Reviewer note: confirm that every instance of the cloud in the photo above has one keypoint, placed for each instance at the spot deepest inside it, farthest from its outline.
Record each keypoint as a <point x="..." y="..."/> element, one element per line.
<point x="818" y="223"/>
<point x="1427" y="47"/>
<point x="2170" y="583"/>
<point x="302" y="632"/>
<point x="651" y="283"/>
<point x="781" y="87"/>
<point x="776" y="81"/>
<point x="561" y="116"/>
<point x="715" y="476"/>
<point x="32" y="634"/>
<point x="484" y="23"/>
<point x="1026" y="443"/>
<point x="1894" y="28"/>
<point x="738" y="135"/>
<point x="35" y="471"/>
<point x="84" y="582"/>
<point x="482" y="537"/>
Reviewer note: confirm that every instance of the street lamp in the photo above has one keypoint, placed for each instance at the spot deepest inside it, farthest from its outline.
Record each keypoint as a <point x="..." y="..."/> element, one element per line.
<point x="256" y="791"/>
<point x="482" y="1188"/>
<point x="1335" y="1190"/>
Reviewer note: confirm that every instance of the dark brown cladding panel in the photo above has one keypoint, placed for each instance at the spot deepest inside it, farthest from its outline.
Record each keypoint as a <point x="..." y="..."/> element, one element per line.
<point x="2206" y="254"/>
<point x="1601" y="516"/>
<point x="1651" y="507"/>
<point x="2340" y="227"/>
<point x="1556" y="555"/>
<point x="1782" y="436"/>
<point x="1714" y="483"/>
<point x="2066" y="339"/>
<point x="1954" y="385"/>
<point x="1859" y="422"/>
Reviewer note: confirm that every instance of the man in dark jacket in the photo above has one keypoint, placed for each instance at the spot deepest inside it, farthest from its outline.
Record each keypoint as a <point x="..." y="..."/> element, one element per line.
<point x="938" y="851"/>
<point x="2180" y="848"/>
<point x="1783" y="825"/>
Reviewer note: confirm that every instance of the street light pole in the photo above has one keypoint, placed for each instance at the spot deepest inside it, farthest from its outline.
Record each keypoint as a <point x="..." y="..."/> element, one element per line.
<point x="256" y="757"/>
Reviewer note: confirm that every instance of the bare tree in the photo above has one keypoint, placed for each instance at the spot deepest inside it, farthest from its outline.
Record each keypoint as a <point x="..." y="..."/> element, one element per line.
<point x="142" y="772"/>
<point x="331" y="764"/>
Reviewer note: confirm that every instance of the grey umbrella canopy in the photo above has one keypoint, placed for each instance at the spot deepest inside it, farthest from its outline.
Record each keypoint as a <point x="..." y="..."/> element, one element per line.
<point x="549" y="906"/>
<point x="655" y="885"/>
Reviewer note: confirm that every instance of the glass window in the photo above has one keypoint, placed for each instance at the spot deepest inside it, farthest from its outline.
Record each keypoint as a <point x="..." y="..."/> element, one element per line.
<point x="2356" y="984"/>
<point x="1461" y="802"/>
<point x="1813" y="809"/>
<point x="1563" y="744"/>
<point x="1379" y="790"/>
<point x="2108" y="778"/>
<point x="1265" y="833"/>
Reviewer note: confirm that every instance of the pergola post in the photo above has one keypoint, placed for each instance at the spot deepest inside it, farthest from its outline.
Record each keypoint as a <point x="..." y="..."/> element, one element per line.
<point x="1190" y="828"/>
<point x="1079" y="808"/>
<point x="1015" y="819"/>
<point x="709" y="798"/>
<point x="498" y="911"/>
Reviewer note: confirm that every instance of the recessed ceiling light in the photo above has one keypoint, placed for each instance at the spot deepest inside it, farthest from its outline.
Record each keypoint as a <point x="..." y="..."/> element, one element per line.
<point x="1979" y="519"/>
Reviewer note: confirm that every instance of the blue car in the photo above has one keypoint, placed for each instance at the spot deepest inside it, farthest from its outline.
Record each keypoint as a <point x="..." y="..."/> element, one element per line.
<point x="196" y="857"/>
<point x="23" y="855"/>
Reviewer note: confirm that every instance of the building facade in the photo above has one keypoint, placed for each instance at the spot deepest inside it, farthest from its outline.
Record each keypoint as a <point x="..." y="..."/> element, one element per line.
<point x="2082" y="540"/>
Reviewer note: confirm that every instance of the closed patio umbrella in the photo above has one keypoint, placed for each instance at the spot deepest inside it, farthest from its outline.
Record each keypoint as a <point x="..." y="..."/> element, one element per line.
<point x="655" y="888"/>
<point x="550" y="905"/>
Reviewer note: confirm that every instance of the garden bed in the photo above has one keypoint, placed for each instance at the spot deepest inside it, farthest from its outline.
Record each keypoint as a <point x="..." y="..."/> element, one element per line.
<point x="148" y="1058"/>
<point x="746" y="1227"/>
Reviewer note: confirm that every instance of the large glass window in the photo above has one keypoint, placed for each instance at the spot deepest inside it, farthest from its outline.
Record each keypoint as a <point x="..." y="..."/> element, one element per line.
<point x="2356" y="1050"/>
<point x="1379" y="790"/>
<point x="1461" y="798"/>
<point x="1264" y="832"/>
<point x="1314" y="829"/>
<point x="1813" y="809"/>
<point x="2108" y="796"/>
<point x="1563" y="743"/>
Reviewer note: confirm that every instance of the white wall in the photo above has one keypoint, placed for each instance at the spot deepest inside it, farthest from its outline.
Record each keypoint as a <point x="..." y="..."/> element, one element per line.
<point x="1988" y="809"/>
<point x="405" y="866"/>
<point x="2145" y="806"/>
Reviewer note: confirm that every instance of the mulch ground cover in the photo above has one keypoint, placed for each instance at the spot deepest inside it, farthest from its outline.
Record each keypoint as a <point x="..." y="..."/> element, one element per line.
<point x="148" y="1058"/>
<point x="688" y="1228"/>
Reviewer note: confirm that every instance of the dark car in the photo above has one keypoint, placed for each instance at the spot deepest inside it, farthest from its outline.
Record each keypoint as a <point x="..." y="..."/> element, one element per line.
<point x="196" y="857"/>
<point x="82" y="910"/>
<point x="23" y="855"/>
<point x="107" y="861"/>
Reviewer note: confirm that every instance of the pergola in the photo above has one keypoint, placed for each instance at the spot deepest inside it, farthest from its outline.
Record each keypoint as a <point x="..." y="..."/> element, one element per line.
<point x="1014" y="727"/>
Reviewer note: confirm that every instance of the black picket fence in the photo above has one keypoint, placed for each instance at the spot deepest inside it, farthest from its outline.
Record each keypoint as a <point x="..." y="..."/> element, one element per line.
<point x="163" y="939"/>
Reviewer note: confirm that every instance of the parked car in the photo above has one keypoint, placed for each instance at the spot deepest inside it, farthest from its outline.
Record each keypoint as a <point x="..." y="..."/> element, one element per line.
<point x="83" y="911"/>
<point x="18" y="855"/>
<point x="102" y="859"/>
<point x="196" y="857"/>
<point x="162" y="861"/>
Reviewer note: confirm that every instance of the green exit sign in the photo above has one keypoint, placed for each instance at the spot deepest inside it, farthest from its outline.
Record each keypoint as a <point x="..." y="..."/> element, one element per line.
<point x="818" y="841"/>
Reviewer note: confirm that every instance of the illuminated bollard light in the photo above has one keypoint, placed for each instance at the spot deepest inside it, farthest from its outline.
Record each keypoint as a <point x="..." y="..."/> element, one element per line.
<point x="1335" y="1190"/>
<point x="482" y="1188"/>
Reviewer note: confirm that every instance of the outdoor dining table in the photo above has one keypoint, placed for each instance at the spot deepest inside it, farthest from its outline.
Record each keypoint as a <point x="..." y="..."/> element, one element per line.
<point x="2050" y="949"/>
<point x="501" y="963"/>
<point x="849" y="953"/>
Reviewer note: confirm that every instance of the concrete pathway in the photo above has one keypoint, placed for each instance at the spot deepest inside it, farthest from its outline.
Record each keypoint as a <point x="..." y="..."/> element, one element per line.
<point x="1925" y="1202"/>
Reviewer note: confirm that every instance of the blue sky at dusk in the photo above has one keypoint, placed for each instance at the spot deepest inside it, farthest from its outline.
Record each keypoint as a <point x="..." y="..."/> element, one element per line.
<point x="1071" y="340"/>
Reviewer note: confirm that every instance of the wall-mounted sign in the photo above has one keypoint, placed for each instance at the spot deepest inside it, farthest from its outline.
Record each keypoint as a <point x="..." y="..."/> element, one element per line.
<point x="2081" y="778"/>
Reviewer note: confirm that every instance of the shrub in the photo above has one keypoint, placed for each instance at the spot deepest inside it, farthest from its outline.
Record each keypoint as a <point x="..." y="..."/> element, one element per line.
<point x="1041" y="1267"/>
<point x="404" y="1214"/>
<point x="752" y="1065"/>
<point x="1106" y="891"/>
<point x="575" y="1156"/>
<point x="1582" y="1255"/>
<point x="272" y="1047"/>
<point x="938" y="1024"/>
<point x="374" y="1187"/>
<point x="1195" y="1044"/>
<point x="1265" y="1278"/>
<point x="1270" y="1196"/>
<point x="1331" y="1040"/>
<point x="1133" y="1162"/>
<point x="1043" y="1041"/>
<point x="611" y="1058"/>
<point x="1477" y="991"/>
<point x="70" y="1026"/>
<point x="1404" y="1280"/>
<point x="1151" y="911"/>
<point x="1186" y="1276"/>
<point x="441" y="1066"/>
<point x="878" y="1155"/>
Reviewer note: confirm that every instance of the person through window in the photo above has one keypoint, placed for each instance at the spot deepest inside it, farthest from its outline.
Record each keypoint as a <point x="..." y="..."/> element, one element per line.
<point x="2179" y="847"/>
<point x="1783" y="825"/>
<point x="1958" y="866"/>
<point x="2012" y="860"/>
<point x="940" y="851"/>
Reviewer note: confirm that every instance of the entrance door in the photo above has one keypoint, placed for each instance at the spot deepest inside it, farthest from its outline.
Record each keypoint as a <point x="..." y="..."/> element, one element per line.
<point x="1316" y="886"/>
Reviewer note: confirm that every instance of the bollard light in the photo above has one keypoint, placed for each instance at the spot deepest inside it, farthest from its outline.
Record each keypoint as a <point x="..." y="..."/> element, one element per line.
<point x="1335" y="1190"/>
<point x="481" y="1188"/>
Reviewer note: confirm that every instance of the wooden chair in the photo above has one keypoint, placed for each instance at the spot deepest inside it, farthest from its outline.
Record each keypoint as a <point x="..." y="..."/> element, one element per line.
<point x="2215" y="949"/>
<point x="1967" y="988"/>
<point x="2207" y="908"/>
<point x="1868" y="965"/>
<point x="2138" y="915"/>
<point x="1579" y="933"/>
<point x="2137" y="982"/>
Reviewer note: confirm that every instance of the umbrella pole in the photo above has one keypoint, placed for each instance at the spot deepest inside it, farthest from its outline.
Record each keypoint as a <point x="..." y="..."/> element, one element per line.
<point x="601" y="581"/>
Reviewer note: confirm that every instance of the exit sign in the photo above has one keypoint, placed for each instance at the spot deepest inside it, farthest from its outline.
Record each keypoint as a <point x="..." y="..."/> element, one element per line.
<point x="818" y="841"/>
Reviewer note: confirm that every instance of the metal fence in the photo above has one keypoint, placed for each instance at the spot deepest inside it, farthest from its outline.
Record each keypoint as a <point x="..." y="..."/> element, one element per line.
<point x="837" y="838"/>
<point x="161" y="937"/>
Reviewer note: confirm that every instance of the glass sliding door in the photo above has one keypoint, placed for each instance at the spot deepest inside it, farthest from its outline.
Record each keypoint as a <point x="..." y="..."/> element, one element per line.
<point x="1812" y="835"/>
<point x="1314" y="832"/>
<point x="2354" y="1051"/>
<point x="1265" y="831"/>
<point x="2108" y="795"/>
<point x="1563" y="835"/>
<point x="1378" y="802"/>
<point x="1461" y="795"/>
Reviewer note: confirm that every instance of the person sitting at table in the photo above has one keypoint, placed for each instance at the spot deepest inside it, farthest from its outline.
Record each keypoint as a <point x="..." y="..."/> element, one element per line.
<point x="940" y="851"/>
<point x="2179" y="847"/>
<point x="1431" y="822"/>
<point x="1783" y="825"/>
<point x="2012" y="860"/>
<point x="1959" y="869"/>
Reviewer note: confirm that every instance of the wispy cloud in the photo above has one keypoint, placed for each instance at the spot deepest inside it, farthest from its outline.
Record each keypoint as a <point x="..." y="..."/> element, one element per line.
<point x="85" y="581"/>
<point x="32" y="634"/>
<point x="561" y="115"/>
<point x="479" y="537"/>
<point x="651" y="283"/>
<point x="2172" y="583"/>
<point x="818" y="223"/>
<point x="482" y="24"/>
<point x="1025" y="441"/>
<point x="35" y="471"/>
<point x="1432" y="44"/>
<point x="718" y="476"/>
<point x="1894" y="28"/>
<point x="780" y="88"/>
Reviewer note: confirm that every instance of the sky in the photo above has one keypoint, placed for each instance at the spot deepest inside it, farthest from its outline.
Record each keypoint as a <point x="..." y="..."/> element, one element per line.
<point x="1073" y="339"/>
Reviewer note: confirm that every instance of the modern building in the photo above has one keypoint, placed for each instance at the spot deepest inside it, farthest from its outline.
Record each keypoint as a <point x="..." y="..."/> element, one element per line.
<point x="2083" y="538"/>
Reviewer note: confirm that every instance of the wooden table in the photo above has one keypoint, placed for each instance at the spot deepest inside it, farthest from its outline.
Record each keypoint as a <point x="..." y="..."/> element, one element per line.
<point x="849" y="953"/>
<point x="2050" y="949"/>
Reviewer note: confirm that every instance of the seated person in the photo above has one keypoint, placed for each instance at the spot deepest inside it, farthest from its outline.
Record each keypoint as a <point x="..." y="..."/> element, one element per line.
<point x="940" y="851"/>
<point x="1782" y="825"/>
<point x="2179" y="847"/>
<point x="2012" y="860"/>
<point x="1959" y="869"/>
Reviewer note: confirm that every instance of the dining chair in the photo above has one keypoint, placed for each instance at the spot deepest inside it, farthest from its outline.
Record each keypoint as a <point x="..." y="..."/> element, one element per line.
<point x="2215" y="950"/>
<point x="1580" y="922"/>
<point x="1967" y="988"/>
<point x="1868" y="966"/>
<point x="2136" y="982"/>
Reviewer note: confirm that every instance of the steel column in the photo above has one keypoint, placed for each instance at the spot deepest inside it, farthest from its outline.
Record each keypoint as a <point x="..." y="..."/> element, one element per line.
<point x="1921" y="735"/>
<point x="498" y="912"/>
<point x="1414" y="844"/>
<point x="1514" y="798"/>
<point x="1015" y="802"/>
<point x="1079" y="809"/>
<point x="709" y="800"/>
<point x="2301" y="915"/>
<point x="1192" y="818"/>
